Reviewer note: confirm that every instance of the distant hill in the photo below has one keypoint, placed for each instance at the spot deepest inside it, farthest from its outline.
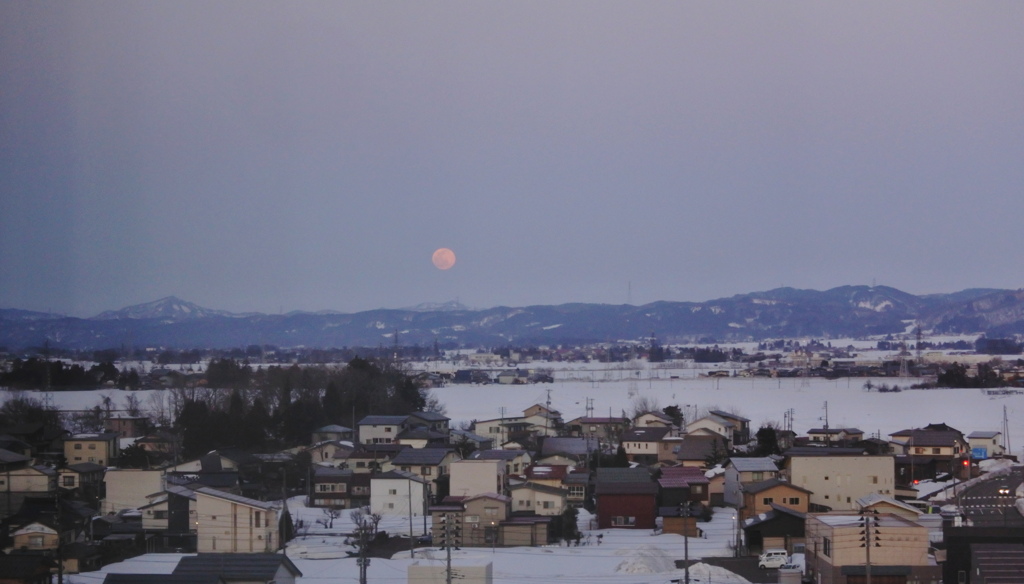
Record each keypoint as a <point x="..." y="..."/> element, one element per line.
<point x="846" y="311"/>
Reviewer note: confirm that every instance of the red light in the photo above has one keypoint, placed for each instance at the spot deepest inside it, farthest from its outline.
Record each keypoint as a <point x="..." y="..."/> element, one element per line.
<point x="916" y="481"/>
<point x="967" y="463"/>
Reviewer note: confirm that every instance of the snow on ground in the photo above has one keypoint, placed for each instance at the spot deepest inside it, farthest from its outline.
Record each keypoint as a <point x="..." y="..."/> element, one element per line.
<point x="624" y="556"/>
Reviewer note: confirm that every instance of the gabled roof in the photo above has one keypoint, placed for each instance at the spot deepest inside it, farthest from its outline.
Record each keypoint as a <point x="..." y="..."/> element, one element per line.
<point x="608" y="475"/>
<point x="931" y="437"/>
<point x="547" y="472"/>
<point x="383" y="420"/>
<point x="335" y="428"/>
<point x="777" y="511"/>
<point x="495" y="496"/>
<point x="875" y="499"/>
<point x="470" y="436"/>
<point x="808" y="451"/>
<point x="235" y="499"/>
<point x="94" y="436"/>
<point x="86" y="467"/>
<point x="981" y="434"/>
<point x="755" y="464"/>
<point x="648" y="488"/>
<point x="427" y="456"/>
<point x="645" y="434"/>
<point x="729" y="415"/>
<point x="163" y="579"/>
<point x="835" y="431"/>
<point x="429" y="416"/>
<point x="262" y="567"/>
<point x="421" y="433"/>
<point x="398" y="475"/>
<point x="8" y="457"/>
<point x="539" y="488"/>
<point x="698" y="447"/>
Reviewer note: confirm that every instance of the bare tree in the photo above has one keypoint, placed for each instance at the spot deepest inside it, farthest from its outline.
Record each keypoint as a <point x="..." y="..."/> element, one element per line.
<point x="330" y="514"/>
<point x="644" y="404"/>
<point x="131" y="405"/>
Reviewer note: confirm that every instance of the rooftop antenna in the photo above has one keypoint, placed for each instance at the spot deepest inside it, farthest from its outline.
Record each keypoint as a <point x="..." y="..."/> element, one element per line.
<point x="828" y="437"/>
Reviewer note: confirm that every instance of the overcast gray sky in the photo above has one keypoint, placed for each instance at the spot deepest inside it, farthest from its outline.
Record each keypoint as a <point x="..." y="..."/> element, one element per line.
<point x="260" y="156"/>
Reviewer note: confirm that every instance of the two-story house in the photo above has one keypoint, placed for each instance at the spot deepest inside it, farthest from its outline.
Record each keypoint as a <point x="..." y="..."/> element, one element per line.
<point x="100" y="448"/>
<point x="20" y="479"/>
<point x="835" y="552"/>
<point x="712" y="425"/>
<point x="744" y="471"/>
<point x="626" y="497"/>
<point x="644" y="445"/>
<point x="231" y="523"/>
<point x="515" y="461"/>
<point x="338" y="488"/>
<point x="476" y="476"/>
<point x="427" y="463"/>
<point x="380" y="429"/>
<point x="398" y="493"/>
<point x="761" y="497"/>
<point x="986" y="444"/>
<point x="936" y="448"/>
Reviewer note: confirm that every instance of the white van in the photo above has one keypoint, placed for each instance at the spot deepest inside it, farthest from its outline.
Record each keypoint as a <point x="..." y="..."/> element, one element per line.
<point x="772" y="558"/>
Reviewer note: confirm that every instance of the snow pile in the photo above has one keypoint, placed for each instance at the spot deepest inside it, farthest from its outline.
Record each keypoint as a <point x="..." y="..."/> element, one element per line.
<point x="644" y="559"/>
<point x="701" y="572"/>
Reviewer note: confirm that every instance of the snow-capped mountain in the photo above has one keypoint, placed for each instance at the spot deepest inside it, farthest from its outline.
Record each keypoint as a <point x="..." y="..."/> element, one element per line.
<point x="169" y="308"/>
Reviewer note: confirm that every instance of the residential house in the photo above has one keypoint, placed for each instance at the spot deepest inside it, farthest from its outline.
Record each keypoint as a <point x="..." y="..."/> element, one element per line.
<point x="656" y="420"/>
<point x="421" y="437"/>
<point x="428" y="463"/>
<point x="835" y="553"/>
<point x="380" y="429"/>
<point x="876" y="503"/>
<point x="682" y="485"/>
<point x="985" y="444"/>
<point x="100" y="448"/>
<point x="20" y="479"/>
<point x="513" y="377"/>
<point x="515" y="461"/>
<point x="778" y="528"/>
<point x="478" y="475"/>
<point x="247" y="568"/>
<point x="160" y="442"/>
<point x="324" y="452"/>
<point x="127" y="426"/>
<point x="740" y="472"/>
<point x="535" y="498"/>
<point x="763" y="496"/>
<point x="626" y="497"/>
<point x="367" y="458"/>
<point x="85" y="479"/>
<point x="397" y="493"/>
<point x="837" y="477"/>
<point x="712" y="425"/>
<point x="606" y="430"/>
<point x="550" y="475"/>
<point x="232" y="523"/>
<point x="567" y="450"/>
<point x="579" y="490"/>
<point x="643" y="444"/>
<point x="332" y="433"/>
<point x="172" y="516"/>
<point x="741" y="426"/>
<point x="835" y="436"/>
<point x="470" y="521"/>
<point x="696" y="449"/>
<point x="465" y="441"/>
<point x="936" y="448"/>
<point x="338" y="488"/>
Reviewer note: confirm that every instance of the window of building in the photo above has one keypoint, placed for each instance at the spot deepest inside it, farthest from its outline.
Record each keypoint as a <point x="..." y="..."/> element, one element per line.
<point x="757" y="476"/>
<point x="472" y="519"/>
<point x="391" y="505"/>
<point x="623" y="521"/>
<point x="159" y="514"/>
<point x="793" y="500"/>
<point x="767" y="500"/>
<point x="874" y="480"/>
<point x="78" y="446"/>
<point x="214" y="543"/>
<point x="491" y="511"/>
<point x="392" y="491"/>
<point x="69" y="480"/>
<point x="78" y="458"/>
<point x="427" y="471"/>
<point x="826" y="547"/>
<point x="936" y="450"/>
<point x="35" y="541"/>
<point x="257" y="519"/>
<point x="918" y="450"/>
<point x="387" y="429"/>
<point x="360" y="464"/>
<point x="92" y="447"/>
<point x="576" y="491"/>
<point x="548" y="505"/>
<point x="697" y="489"/>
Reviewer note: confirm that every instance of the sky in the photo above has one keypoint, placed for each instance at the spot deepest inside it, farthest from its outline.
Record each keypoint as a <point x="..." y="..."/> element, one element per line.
<point x="262" y="156"/>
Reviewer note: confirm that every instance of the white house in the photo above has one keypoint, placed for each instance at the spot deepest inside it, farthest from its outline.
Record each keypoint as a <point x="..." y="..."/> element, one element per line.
<point x="231" y="523"/>
<point x="398" y="493"/>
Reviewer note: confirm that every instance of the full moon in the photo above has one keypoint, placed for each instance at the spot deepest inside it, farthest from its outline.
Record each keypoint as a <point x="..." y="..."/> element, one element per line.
<point x="443" y="258"/>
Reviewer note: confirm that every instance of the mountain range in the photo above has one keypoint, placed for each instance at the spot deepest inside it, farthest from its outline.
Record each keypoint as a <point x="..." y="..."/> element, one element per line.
<point x="846" y="311"/>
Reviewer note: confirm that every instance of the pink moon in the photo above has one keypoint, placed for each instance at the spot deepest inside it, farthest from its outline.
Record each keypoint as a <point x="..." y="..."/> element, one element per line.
<point x="443" y="258"/>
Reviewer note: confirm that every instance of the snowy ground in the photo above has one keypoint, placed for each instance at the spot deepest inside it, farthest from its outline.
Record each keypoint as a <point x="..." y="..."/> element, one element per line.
<point x="623" y="557"/>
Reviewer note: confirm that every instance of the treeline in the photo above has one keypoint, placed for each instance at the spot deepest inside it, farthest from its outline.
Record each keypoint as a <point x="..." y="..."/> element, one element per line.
<point x="35" y="373"/>
<point x="281" y="406"/>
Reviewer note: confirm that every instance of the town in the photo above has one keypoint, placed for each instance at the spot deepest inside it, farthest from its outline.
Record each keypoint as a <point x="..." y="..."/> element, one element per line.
<point x="205" y="466"/>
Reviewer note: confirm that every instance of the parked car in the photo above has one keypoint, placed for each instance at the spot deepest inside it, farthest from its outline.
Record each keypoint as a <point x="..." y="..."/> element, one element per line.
<point x="773" y="558"/>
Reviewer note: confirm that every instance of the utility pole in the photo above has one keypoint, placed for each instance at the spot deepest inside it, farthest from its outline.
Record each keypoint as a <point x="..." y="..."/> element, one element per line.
<point x="412" y="540"/>
<point x="60" y="537"/>
<point x="684" y="512"/>
<point x="869" y="535"/>
<point x="451" y="528"/>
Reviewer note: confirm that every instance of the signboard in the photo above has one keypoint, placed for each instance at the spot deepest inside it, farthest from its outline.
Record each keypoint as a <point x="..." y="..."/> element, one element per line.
<point x="979" y="453"/>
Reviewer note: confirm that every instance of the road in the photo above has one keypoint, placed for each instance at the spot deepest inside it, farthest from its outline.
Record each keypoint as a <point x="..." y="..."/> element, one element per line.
<point x="991" y="503"/>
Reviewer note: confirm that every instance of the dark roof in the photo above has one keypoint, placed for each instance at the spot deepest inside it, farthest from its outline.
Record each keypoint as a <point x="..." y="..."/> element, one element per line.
<point x="93" y="436"/>
<point x="770" y="483"/>
<point x="728" y="415"/>
<point x="429" y="416"/>
<point x="86" y="467"/>
<point x="932" y="438"/>
<point x="697" y="447"/>
<point x="8" y="457"/>
<point x="539" y="488"/>
<point x="24" y="566"/>
<point x="383" y="420"/>
<point x="608" y="475"/>
<point x="546" y="471"/>
<point x="420" y="456"/>
<point x="835" y="431"/>
<point x="585" y="420"/>
<point x="237" y="566"/>
<point x="421" y="433"/>
<point x="496" y="454"/>
<point x="645" y="434"/>
<point x="397" y="474"/>
<point x="573" y="446"/>
<point x="163" y="579"/>
<point x="815" y="451"/>
<point x="650" y="488"/>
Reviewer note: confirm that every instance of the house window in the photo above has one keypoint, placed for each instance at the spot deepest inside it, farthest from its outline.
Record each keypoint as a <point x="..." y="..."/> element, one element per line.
<point x="325" y="488"/>
<point x="826" y="478"/>
<point x="392" y="491"/>
<point x="527" y="502"/>
<point x="793" y="500"/>
<point x="472" y="519"/>
<point x="874" y="480"/>
<point x="697" y="489"/>
<point x="826" y="547"/>
<point x="767" y="500"/>
<point x="159" y="514"/>
<point x="576" y="491"/>
<point x="215" y="540"/>
<point x="78" y="446"/>
<point x="361" y="464"/>
<point x="391" y="505"/>
<point x="427" y="471"/>
<point x="35" y="541"/>
<point x="936" y="450"/>
<point x="757" y="476"/>
<point x="92" y="447"/>
<point x="78" y="458"/>
<point x="69" y="480"/>
<point x="491" y="511"/>
<point x="622" y="521"/>
<point x="257" y="519"/>
<point x="548" y="504"/>
<point x="493" y="430"/>
<point x="918" y="450"/>
<point x="387" y="429"/>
